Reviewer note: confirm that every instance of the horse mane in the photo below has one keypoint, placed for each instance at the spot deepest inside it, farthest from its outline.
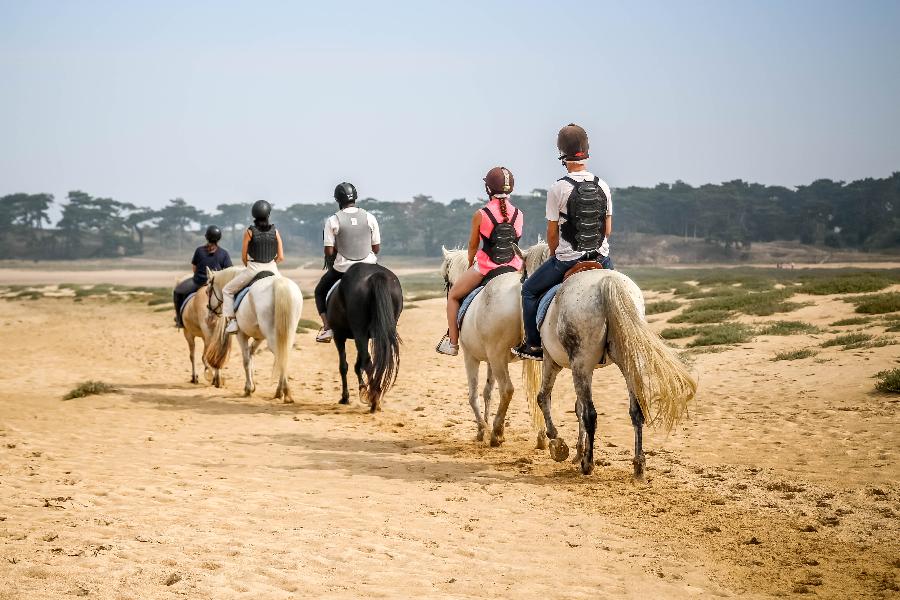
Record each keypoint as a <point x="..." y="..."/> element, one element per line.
<point x="535" y="256"/>
<point x="456" y="261"/>
<point x="222" y="278"/>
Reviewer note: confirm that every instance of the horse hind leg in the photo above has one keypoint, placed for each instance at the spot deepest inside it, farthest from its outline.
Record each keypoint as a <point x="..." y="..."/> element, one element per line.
<point x="247" y="349"/>
<point x="472" y="366"/>
<point x="559" y="451"/>
<point x="191" y="347"/>
<point x="367" y="395"/>
<point x="587" y="416"/>
<point x="343" y="367"/>
<point x="506" y="389"/>
<point x="637" y="420"/>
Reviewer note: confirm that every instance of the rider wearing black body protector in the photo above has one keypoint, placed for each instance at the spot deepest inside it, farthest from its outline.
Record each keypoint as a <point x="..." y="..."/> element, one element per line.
<point x="209" y="256"/>
<point x="579" y="222"/>
<point x="350" y="236"/>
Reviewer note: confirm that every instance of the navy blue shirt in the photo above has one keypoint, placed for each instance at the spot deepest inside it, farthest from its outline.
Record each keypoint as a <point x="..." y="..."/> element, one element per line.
<point x="215" y="261"/>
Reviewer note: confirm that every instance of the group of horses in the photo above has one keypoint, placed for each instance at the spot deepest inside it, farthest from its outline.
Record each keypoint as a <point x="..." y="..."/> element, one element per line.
<point x="595" y="319"/>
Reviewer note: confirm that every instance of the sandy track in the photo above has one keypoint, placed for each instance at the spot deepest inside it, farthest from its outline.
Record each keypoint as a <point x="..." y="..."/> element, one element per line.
<point x="785" y="479"/>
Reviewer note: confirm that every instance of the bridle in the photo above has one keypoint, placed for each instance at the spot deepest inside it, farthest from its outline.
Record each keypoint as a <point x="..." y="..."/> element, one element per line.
<point x="210" y="294"/>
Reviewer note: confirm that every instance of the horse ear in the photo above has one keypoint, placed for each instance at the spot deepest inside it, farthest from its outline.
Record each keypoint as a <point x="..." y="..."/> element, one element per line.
<point x="445" y="252"/>
<point x="209" y="274"/>
<point x="518" y="251"/>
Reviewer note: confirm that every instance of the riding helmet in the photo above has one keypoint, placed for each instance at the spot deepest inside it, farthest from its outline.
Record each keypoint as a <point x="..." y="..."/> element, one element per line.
<point x="345" y="193"/>
<point x="261" y="210"/>
<point x="572" y="143"/>
<point x="213" y="234"/>
<point x="499" y="180"/>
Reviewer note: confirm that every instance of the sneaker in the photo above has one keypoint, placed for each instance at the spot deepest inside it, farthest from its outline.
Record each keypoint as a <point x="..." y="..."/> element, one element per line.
<point x="445" y="347"/>
<point x="523" y="350"/>
<point x="324" y="335"/>
<point x="231" y="326"/>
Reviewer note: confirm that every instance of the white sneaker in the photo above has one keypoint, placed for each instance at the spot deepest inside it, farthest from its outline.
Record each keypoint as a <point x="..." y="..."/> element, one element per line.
<point x="445" y="347"/>
<point x="231" y="326"/>
<point x="325" y="335"/>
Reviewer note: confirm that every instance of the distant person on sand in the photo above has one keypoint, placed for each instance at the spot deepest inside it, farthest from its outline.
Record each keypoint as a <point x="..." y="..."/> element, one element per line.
<point x="350" y="236"/>
<point x="579" y="223"/>
<point x="496" y="226"/>
<point x="209" y="256"/>
<point x="261" y="250"/>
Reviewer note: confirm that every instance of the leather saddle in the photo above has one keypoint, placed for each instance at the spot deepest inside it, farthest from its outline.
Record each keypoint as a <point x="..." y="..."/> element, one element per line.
<point x="585" y="265"/>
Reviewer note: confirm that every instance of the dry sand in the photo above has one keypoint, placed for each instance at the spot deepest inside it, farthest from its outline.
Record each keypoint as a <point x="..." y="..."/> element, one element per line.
<point x="784" y="480"/>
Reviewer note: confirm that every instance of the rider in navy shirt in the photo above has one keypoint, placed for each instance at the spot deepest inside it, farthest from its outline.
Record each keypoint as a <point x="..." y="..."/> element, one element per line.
<point x="209" y="256"/>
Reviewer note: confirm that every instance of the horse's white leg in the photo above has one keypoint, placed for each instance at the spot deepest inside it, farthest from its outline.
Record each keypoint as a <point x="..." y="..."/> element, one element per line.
<point x="191" y="347"/>
<point x="587" y="415"/>
<point x="247" y="350"/>
<point x="637" y="420"/>
<point x="559" y="451"/>
<point x="488" y="388"/>
<point x="505" y="387"/>
<point x="472" y="367"/>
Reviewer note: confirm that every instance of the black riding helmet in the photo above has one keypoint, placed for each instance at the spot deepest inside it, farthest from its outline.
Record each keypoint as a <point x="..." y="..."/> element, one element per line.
<point x="213" y="234"/>
<point x="261" y="210"/>
<point x="345" y="193"/>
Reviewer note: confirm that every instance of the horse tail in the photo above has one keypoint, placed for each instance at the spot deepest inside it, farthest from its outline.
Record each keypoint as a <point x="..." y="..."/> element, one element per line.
<point x="219" y="344"/>
<point x="385" y="340"/>
<point x="531" y="373"/>
<point x="660" y="381"/>
<point x="285" y="326"/>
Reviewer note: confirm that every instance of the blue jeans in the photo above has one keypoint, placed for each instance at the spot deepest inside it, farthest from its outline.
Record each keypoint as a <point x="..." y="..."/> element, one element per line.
<point x="548" y="274"/>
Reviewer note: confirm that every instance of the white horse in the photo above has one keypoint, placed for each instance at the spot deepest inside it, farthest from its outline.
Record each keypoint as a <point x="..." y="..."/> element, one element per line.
<point x="200" y="322"/>
<point x="270" y="311"/>
<point x="493" y="325"/>
<point x="595" y="312"/>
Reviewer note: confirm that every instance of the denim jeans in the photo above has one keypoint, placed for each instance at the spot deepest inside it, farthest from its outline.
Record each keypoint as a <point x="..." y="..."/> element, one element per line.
<point x="548" y="274"/>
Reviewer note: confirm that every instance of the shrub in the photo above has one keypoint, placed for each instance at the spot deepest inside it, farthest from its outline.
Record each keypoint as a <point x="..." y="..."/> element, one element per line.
<point x="724" y="333"/>
<point x="751" y="303"/>
<point x="876" y="304"/>
<point x="716" y="292"/>
<point x="90" y="388"/>
<point x="676" y="333"/>
<point x="795" y="354"/>
<point x="846" y="339"/>
<point x="662" y="306"/>
<point x="703" y="316"/>
<point x="849" y="283"/>
<point x="851" y="321"/>
<point x="888" y="381"/>
<point x="788" y="328"/>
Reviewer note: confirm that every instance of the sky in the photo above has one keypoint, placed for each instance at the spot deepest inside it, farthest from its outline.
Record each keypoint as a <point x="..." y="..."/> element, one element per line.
<point x="234" y="101"/>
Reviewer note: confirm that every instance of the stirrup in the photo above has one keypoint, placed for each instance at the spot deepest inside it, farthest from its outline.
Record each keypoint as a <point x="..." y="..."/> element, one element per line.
<point x="525" y="351"/>
<point x="232" y="326"/>
<point x="325" y="335"/>
<point x="446" y="347"/>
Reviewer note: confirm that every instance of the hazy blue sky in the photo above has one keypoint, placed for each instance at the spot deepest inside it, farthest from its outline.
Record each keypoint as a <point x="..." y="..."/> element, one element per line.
<point x="226" y="101"/>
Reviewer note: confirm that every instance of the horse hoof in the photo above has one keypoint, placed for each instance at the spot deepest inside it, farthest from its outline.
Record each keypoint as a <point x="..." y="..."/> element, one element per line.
<point x="496" y="441"/>
<point x="247" y="393"/>
<point x="587" y="466"/>
<point x="559" y="451"/>
<point x="344" y="401"/>
<point x="195" y="380"/>
<point x="288" y="400"/>
<point x="479" y="437"/>
<point x="207" y="374"/>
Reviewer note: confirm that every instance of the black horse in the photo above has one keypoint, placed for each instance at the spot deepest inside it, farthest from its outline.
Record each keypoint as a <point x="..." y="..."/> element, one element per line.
<point x="366" y="306"/>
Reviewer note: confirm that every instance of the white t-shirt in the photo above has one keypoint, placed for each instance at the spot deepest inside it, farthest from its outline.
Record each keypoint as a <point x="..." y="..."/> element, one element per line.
<point x="341" y="263"/>
<point x="558" y="196"/>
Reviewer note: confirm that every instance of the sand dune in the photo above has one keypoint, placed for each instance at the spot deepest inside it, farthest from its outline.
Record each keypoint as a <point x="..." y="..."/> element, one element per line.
<point x="784" y="480"/>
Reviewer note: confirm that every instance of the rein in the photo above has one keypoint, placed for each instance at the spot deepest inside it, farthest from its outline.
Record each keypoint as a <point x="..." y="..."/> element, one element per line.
<point x="210" y="294"/>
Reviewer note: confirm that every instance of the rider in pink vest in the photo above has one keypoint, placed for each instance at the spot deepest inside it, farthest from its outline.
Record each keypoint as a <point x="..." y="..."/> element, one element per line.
<point x="496" y="227"/>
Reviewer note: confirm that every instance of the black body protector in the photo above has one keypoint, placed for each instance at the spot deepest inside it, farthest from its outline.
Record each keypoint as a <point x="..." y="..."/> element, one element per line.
<point x="263" y="246"/>
<point x="499" y="247"/>
<point x="585" y="215"/>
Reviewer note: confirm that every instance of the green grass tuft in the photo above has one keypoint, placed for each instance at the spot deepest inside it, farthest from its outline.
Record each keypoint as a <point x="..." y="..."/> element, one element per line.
<point x="90" y="388"/>
<point x="888" y="381"/>
<point x="846" y="339"/>
<point x="788" y="328"/>
<point x="851" y="321"/>
<point x="878" y="304"/>
<point x="662" y="306"/>
<point x="848" y="283"/>
<point x="751" y="303"/>
<point x="724" y="333"/>
<point x="703" y="316"/>
<point x="795" y="354"/>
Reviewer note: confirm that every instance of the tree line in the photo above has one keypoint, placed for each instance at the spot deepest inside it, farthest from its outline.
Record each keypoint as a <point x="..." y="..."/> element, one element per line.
<point x="863" y="214"/>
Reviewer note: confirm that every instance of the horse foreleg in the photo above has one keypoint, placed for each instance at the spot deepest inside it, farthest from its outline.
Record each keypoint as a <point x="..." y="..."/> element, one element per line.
<point x="559" y="451"/>
<point x="343" y="367"/>
<point x="472" y="367"/>
<point x="191" y="347"/>
<point x="505" y="387"/>
<point x="587" y="416"/>
<point x="247" y="349"/>
<point x="637" y="420"/>
<point x="486" y="392"/>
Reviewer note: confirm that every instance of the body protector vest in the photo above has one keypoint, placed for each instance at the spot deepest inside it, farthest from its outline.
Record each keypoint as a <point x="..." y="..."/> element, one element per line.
<point x="499" y="246"/>
<point x="585" y="215"/>
<point x="354" y="238"/>
<point x="263" y="246"/>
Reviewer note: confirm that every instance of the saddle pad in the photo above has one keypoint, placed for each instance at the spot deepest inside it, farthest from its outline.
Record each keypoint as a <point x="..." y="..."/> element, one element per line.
<point x="183" y="304"/>
<point x="331" y="290"/>
<point x="240" y="295"/>
<point x="465" y="305"/>
<point x="544" y="304"/>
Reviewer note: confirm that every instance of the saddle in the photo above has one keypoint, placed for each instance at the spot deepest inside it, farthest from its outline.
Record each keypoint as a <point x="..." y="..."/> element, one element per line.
<point x="585" y="265"/>
<point x="185" y="303"/>
<point x="246" y="289"/>
<point x="471" y="297"/>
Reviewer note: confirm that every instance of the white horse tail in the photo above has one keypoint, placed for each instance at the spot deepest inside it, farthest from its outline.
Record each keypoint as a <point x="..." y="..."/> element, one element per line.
<point x="531" y="374"/>
<point x="284" y="325"/>
<point x="219" y="345"/>
<point x="660" y="381"/>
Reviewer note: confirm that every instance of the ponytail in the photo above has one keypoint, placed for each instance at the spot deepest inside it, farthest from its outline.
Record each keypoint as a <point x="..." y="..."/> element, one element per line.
<point x="503" y="209"/>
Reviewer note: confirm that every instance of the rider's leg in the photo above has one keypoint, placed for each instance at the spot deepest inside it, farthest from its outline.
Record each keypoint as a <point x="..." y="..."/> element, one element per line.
<point x="181" y="292"/>
<point x="325" y="283"/>
<point x="467" y="282"/>
<point x="607" y="263"/>
<point x="233" y="287"/>
<point x="545" y="277"/>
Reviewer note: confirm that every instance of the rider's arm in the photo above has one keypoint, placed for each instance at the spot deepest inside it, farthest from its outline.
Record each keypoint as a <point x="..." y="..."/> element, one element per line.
<point x="279" y="255"/>
<point x="474" y="236"/>
<point x="376" y="233"/>
<point x="607" y="227"/>
<point x="376" y="248"/>
<point x="552" y="236"/>
<point x="246" y="244"/>
<point x="328" y="237"/>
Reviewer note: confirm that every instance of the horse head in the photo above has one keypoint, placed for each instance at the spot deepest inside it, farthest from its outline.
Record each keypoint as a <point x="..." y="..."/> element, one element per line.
<point x="455" y="263"/>
<point x="535" y="256"/>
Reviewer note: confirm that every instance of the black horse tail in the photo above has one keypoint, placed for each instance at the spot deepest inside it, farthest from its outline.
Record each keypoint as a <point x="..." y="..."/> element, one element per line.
<point x="385" y="340"/>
